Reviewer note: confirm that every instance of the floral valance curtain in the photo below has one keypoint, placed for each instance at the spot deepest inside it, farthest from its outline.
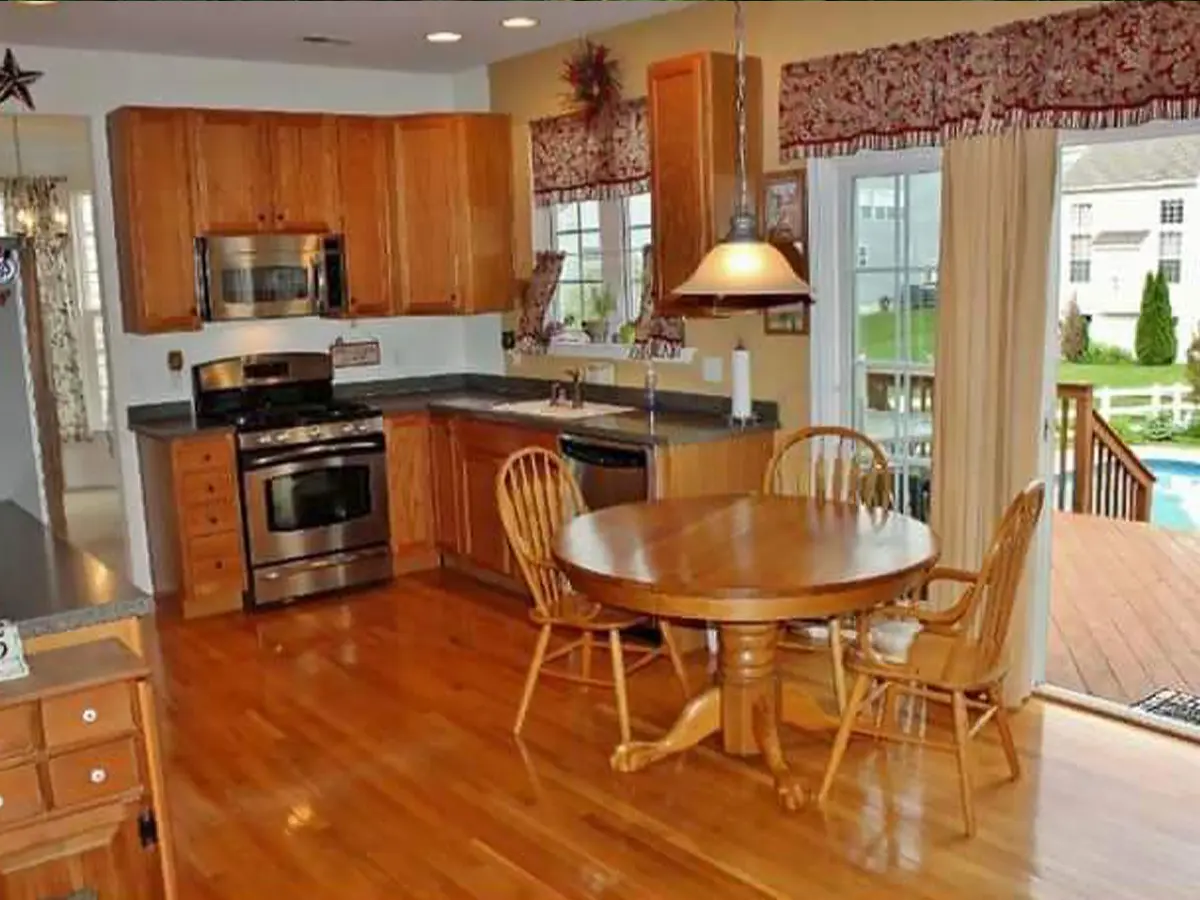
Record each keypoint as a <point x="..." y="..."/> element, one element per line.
<point x="1114" y="65"/>
<point x="606" y="157"/>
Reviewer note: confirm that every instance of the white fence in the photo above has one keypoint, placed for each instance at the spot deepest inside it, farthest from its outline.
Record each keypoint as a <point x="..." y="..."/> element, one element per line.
<point x="1148" y="402"/>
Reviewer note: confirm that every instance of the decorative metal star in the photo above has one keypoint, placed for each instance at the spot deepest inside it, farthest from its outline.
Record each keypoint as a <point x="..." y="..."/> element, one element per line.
<point x="15" y="82"/>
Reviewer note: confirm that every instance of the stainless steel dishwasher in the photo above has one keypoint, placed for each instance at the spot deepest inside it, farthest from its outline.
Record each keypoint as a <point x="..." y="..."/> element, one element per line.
<point x="608" y="472"/>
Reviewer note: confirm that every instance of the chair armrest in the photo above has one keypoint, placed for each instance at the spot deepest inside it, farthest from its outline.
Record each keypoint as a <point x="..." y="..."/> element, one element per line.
<point x="962" y="576"/>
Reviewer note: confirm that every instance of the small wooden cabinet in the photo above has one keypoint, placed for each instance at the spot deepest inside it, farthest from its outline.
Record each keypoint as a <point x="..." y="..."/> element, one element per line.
<point x="150" y="159"/>
<point x="264" y="172"/>
<point x="454" y="237"/>
<point x="366" y="169"/>
<point x="693" y="141"/>
<point x="410" y="492"/>
<point x="76" y="812"/>
<point x="193" y="511"/>
<point x="445" y="484"/>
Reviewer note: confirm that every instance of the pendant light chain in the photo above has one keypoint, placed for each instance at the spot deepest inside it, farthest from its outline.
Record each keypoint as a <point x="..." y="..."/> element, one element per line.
<point x="740" y="114"/>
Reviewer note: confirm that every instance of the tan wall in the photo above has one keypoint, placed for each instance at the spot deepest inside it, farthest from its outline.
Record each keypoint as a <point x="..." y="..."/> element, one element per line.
<point x="780" y="32"/>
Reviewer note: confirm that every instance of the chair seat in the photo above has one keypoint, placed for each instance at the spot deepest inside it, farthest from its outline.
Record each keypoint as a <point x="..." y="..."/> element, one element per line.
<point x="578" y="612"/>
<point x="934" y="659"/>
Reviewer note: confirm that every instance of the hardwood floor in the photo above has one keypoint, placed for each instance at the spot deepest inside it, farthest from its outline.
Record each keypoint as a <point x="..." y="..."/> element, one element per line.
<point x="362" y="750"/>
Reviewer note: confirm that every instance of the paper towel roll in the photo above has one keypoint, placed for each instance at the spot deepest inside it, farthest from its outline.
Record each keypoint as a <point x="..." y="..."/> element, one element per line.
<point x="739" y="374"/>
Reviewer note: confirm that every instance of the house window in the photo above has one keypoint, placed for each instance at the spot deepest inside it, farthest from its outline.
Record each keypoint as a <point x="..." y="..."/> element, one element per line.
<point x="92" y="350"/>
<point x="864" y="256"/>
<point x="1170" y="256"/>
<point x="1081" y="259"/>
<point x="1081" y="218"/>
<point x="1171" y="212"/>
<point x="603" y="244"/>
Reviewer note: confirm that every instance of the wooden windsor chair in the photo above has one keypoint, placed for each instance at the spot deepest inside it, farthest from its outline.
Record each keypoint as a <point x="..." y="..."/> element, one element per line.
<point x="537" y="494"/>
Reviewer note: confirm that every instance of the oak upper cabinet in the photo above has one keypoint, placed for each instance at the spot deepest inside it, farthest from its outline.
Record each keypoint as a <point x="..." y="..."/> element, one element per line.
<point x="366" y="167"/>
<point x="150" y="158"/>
<point x="259" y="171"/>
<point x="232" y="172"/>
<point x="454" y="213"/>
<point x="693" y="141"/>
<point x="410" y="491"/>
<point x="303" y="153"/>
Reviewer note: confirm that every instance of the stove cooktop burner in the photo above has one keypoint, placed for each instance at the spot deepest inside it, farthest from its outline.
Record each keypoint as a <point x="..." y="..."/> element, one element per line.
<point x="270" y="418"/>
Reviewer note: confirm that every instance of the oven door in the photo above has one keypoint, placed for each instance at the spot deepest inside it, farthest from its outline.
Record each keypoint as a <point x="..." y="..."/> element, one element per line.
<point x="261" y="276"/>
<point x="315" y="500"/>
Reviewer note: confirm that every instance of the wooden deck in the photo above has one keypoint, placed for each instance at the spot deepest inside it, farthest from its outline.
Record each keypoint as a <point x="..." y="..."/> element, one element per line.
<point x="1125" y="609"/>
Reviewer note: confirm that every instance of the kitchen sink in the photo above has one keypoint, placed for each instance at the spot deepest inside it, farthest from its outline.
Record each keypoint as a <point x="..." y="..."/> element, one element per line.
<point x="563" y="411"/>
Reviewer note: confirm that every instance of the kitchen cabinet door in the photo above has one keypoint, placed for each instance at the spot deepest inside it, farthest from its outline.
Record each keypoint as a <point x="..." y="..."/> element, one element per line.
<point x="430" y="213"/>
<point x="484" y="542"/>
<point x="232" y="172"/>
<point x="366" y="171"/>
<point x="150" y="158"/>
<point x="444" y="466"/>
<point x="486" y="147"/>
<point x="303" y="150"/>
<point x="693" y="140"/>
<point x="410" y="491"/>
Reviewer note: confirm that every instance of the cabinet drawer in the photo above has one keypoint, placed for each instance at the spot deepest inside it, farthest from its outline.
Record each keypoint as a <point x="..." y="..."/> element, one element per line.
<point x="16" y="730"/>
<point x="199" y="454"/>
<point x="93" y="774"/>
<point x="87" y="716"/>
<point x="202" y="488"/>
<point x="203" y="519"/>
<point x="20" y="794"/>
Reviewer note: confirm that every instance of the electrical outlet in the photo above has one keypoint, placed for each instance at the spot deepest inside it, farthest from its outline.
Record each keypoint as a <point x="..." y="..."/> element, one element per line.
<point x="714" y="369"/>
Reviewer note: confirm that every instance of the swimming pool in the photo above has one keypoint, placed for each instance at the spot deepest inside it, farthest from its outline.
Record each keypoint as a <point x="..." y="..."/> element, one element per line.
<point x="1176" y="494"/>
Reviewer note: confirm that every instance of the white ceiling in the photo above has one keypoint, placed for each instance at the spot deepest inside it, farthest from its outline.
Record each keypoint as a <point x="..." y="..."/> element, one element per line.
<point x="386" y="34"/>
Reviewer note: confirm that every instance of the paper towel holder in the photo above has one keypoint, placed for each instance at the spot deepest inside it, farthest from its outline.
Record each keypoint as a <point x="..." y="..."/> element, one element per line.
<point x="751" y="418"/>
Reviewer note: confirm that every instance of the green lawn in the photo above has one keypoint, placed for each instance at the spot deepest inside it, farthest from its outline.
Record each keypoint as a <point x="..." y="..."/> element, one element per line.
<point x="1122" y="376"/>
<point x="877" y="340"/>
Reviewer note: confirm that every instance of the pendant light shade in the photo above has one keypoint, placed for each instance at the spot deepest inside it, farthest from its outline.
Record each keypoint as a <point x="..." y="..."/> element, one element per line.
<point x="743" y="273"/>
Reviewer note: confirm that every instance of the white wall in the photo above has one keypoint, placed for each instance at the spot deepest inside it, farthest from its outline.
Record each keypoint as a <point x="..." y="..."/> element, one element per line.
<point x="94" y="83"/>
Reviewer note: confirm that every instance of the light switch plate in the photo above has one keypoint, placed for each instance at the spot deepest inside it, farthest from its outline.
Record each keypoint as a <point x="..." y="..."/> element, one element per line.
<point x="348" y="354"/>
<point x="714" y="369"/>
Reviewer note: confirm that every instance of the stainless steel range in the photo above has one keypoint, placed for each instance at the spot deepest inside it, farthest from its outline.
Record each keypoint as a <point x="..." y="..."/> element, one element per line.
<point x="313" y="474"/>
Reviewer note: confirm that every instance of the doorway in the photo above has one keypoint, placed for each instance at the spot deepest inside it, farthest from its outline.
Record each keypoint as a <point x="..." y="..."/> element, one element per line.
<point x="46" y="196"/>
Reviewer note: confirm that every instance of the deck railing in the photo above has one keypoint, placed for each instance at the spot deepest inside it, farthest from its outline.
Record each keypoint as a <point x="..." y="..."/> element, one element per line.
<point x="1096" y="471"/>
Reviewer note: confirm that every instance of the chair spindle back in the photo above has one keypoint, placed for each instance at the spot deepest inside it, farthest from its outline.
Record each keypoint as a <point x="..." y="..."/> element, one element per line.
<point x="831" y="464"/>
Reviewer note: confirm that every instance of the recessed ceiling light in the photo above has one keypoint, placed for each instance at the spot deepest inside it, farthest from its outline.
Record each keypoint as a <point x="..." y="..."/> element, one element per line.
<point x="519" y="22"/>
<point x="443" y="37"/>
<point x="326" y="40"/>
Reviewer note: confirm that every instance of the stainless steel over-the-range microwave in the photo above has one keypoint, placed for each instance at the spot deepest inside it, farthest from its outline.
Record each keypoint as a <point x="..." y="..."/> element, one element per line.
<point x="269" y="276"/>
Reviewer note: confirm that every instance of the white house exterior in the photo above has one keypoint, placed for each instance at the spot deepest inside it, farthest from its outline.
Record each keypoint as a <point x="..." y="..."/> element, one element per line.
<point x="1129" y="209"/>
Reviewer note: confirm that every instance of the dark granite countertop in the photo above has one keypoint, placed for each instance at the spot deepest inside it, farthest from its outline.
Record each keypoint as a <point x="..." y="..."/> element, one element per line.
<point x="681" y="418"/>
<point x="47" y="586"/>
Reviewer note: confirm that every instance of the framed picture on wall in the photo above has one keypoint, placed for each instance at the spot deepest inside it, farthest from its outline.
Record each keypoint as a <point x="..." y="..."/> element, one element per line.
<point x="784" y="206"/>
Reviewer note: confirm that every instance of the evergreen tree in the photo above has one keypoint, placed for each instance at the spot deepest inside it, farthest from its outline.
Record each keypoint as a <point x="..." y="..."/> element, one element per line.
<point x="1156" y="343"/>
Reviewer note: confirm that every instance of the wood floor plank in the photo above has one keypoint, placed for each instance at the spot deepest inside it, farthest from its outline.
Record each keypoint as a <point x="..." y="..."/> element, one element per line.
<point x="362" y="749"/>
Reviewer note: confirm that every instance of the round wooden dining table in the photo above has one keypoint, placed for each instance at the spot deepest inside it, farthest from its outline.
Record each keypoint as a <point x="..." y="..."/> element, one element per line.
<point x="745" y="564"/>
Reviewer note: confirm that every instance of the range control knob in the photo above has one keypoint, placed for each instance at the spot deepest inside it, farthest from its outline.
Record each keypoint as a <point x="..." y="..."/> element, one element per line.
<point x="348" y="429"/>
<point x="314" y="431"/>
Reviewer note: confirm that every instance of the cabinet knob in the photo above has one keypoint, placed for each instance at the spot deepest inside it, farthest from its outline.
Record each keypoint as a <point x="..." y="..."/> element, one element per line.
<point x="261" y="217"/>
<point x="220" y="564"/>
<point x="212" y="520"/>
<point x="98" y="776"/>
<point x="212" y="488"/>
<point x="278" y="217"/>
<point x="89" y="716"/>
<point x="1" y="801"/>
<point x="208" y="457"/>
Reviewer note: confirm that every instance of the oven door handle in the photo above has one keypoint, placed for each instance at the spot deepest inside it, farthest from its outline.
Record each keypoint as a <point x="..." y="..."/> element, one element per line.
<point x="304" y="454"/>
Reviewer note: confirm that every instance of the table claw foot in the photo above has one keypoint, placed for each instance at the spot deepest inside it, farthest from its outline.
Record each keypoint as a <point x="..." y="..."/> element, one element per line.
<point x="699" y="719"/>
<point x="789" y="788"/>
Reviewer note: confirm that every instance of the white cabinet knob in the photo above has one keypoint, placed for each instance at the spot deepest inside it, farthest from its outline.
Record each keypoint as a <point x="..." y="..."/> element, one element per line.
<point x="98" y="776"/>
<point x="1" y="802"/>
<point x="90" y="716"/>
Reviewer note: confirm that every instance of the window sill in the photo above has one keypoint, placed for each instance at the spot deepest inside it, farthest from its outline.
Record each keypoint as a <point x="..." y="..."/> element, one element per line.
<point x="615" y="352"/>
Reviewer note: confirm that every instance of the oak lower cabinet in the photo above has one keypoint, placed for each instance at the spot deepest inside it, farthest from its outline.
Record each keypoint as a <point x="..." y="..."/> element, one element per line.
<point x="150" y="160"/>
<point x="693" y="140"/>
<point x="454" y="231"/>
<point x="444" y="465"/>
<point x="411" y="512"/>
<point x="76" y="778"/>
<point x="194" y="521"/>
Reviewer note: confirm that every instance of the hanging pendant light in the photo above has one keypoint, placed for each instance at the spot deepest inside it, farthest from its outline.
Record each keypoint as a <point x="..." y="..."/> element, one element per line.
<point x="743" y="273"/>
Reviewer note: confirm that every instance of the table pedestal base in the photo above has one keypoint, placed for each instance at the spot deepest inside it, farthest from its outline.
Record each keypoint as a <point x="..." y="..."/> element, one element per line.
<point x="747" y="707"/>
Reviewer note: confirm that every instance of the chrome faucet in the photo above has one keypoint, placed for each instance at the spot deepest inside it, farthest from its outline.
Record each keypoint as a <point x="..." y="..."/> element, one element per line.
<point x="576" y="376"/>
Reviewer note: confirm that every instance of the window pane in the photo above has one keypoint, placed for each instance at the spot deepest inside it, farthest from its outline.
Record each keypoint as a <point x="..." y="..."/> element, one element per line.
<point x="567" y="217"/>
<point x="924" y="196"/>
<point x="877" y="234"/>
<point x="638" y="210"/>
<point x="572" y="270"/>
<point x="570" y="302"/>
<point x="593" y="266"/>
<point x="1172" y="270"/>
<point x="589" y="241"/>
<point x="1172" y="245"/>
<point x="589" y="214"/>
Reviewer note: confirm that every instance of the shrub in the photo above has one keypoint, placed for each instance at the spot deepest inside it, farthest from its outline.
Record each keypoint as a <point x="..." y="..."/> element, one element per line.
<point x="1106" y="355"/>
<point x="1125" y="427"/>
<point x="1073" y="340"/>
<point x="1160" y="428"/>
<point x="1193" y="366"/>
<point x="1156" y="342"/>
